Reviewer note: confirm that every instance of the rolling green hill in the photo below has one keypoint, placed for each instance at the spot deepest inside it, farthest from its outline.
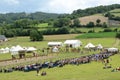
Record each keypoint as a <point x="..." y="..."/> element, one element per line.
<point x="115" y="12"/>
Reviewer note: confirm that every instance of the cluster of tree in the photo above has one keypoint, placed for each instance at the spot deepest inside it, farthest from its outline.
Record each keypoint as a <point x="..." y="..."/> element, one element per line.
<point x="94" y="10"/>
<point x="61" y="22"/>
<point x="39" y="16"/>
<point x="36" y="35"/>
<point x="15" y="32"/>
<point x="50" y="31"/>
<point x="118" y="35"/>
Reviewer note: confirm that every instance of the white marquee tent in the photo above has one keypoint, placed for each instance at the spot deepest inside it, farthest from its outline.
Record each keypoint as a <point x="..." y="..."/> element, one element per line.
<point x="113" y="49"/>
<point x="73" y="43"/>
<point x="4" y="50"/>
<point x="99" y="46"/>
<point x="55" y="49"/>
<point x="15" y="49"/>
<point x="31" y="49"/>
<point x="89" y="45"/>
<point x="55" y="43"/>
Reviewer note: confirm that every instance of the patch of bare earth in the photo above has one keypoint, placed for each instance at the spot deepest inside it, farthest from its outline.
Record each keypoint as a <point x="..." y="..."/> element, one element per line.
<point x="85" y="20"/>
<point x="25" y="60"/>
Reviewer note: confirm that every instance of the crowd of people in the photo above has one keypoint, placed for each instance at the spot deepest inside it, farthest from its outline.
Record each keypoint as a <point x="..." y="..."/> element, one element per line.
<point x="102" y="56"/>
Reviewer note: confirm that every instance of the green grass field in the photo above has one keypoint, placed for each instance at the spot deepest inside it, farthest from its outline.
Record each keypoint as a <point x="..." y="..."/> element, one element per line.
<point x="43" y="25"/>
<point x="90" y="71"/>
<point x="24" y="42"/>
<point x="98" y="35"/>
<point x="116" y="12"/>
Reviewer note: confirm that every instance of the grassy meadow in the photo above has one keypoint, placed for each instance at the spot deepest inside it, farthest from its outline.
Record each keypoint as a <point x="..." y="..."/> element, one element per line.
<point x="25" y="42"/>
<point x="90" y="71"/>
<point x="115" y="12"/>
<point x="97" y="35"/>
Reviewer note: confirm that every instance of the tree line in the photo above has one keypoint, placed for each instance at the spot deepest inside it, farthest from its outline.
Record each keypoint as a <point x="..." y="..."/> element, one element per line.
<point x="94" y="10"/>
<point x="24" y="24"/>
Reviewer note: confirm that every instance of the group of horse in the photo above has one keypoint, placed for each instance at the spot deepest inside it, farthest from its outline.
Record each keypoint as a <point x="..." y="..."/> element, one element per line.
<point x="60" y="63"/>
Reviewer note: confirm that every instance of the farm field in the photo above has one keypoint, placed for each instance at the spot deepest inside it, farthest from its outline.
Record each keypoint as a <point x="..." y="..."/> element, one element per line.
<point x="115" y="12"/>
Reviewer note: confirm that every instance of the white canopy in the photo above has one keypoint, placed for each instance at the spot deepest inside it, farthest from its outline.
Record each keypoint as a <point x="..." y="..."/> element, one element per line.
<point x="89" y="45"/>
<point x="31" y="49"/>
<point x="15" y="49"/>
<point x="55" y="44"/>
<point x="73" y="43"/>
<point x="55" y="49"/>
<point x="112" y="49"/>
<point x="2" y="50"/>
<point x="99" y="46"/>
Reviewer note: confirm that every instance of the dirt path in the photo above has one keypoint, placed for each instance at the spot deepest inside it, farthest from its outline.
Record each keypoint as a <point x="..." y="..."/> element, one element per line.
<point x="27" y="60"/>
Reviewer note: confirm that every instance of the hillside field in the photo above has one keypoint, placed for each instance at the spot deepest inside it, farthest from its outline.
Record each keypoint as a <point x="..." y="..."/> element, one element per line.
<point x="115" y="12"/>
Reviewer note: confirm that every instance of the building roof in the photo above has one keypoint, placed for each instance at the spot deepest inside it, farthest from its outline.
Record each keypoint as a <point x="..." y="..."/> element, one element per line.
<point x="2" y="37"/>
<point x="54" y="43"/>
<point x="72" y="41"/>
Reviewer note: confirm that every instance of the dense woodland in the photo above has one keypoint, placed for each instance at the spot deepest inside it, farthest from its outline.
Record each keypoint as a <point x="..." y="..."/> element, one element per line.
<point x="24" y="24"/>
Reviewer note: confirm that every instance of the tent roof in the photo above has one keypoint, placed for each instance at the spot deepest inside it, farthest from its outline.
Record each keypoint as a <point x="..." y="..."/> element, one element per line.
<point x="112" y="49"/>
<point x="72" y="41"/>
<point x="89" y="45"/>
<point x="31" y="49"/>
<point x="2" y="37"/>
<point x="99" y="46"/>
<point x="54" y="43"/>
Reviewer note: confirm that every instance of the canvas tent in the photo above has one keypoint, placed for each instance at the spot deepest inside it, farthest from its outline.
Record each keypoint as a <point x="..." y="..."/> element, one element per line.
<point x="73" y="43"/>
<point x="15" y="49"/>
<point x="113" y="49"/>
<point x="50" y="44"/>
<point x="31" y="49"/>
<point x="4" y="50"/>
<point x="99" y="46"/>
<point x="89" y="45"/>
<point x="55" y="49"/>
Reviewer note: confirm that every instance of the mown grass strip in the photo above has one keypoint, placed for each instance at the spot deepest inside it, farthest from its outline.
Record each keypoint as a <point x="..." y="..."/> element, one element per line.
<point x="97" y="35"/>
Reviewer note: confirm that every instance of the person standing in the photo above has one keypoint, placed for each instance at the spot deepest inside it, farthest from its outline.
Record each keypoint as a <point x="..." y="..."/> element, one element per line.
<point x="37" y="70"/>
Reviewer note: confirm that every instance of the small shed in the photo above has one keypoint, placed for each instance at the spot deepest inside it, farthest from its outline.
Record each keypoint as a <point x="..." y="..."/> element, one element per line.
<point x="51" y="44"/>
<point x="73" y="43"/>
<point x="3" y="38"/>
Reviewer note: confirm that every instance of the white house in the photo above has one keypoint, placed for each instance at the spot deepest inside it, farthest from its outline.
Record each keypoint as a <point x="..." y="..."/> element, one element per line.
<point x="73" y="43"/>
<point x="50" y="44"/>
